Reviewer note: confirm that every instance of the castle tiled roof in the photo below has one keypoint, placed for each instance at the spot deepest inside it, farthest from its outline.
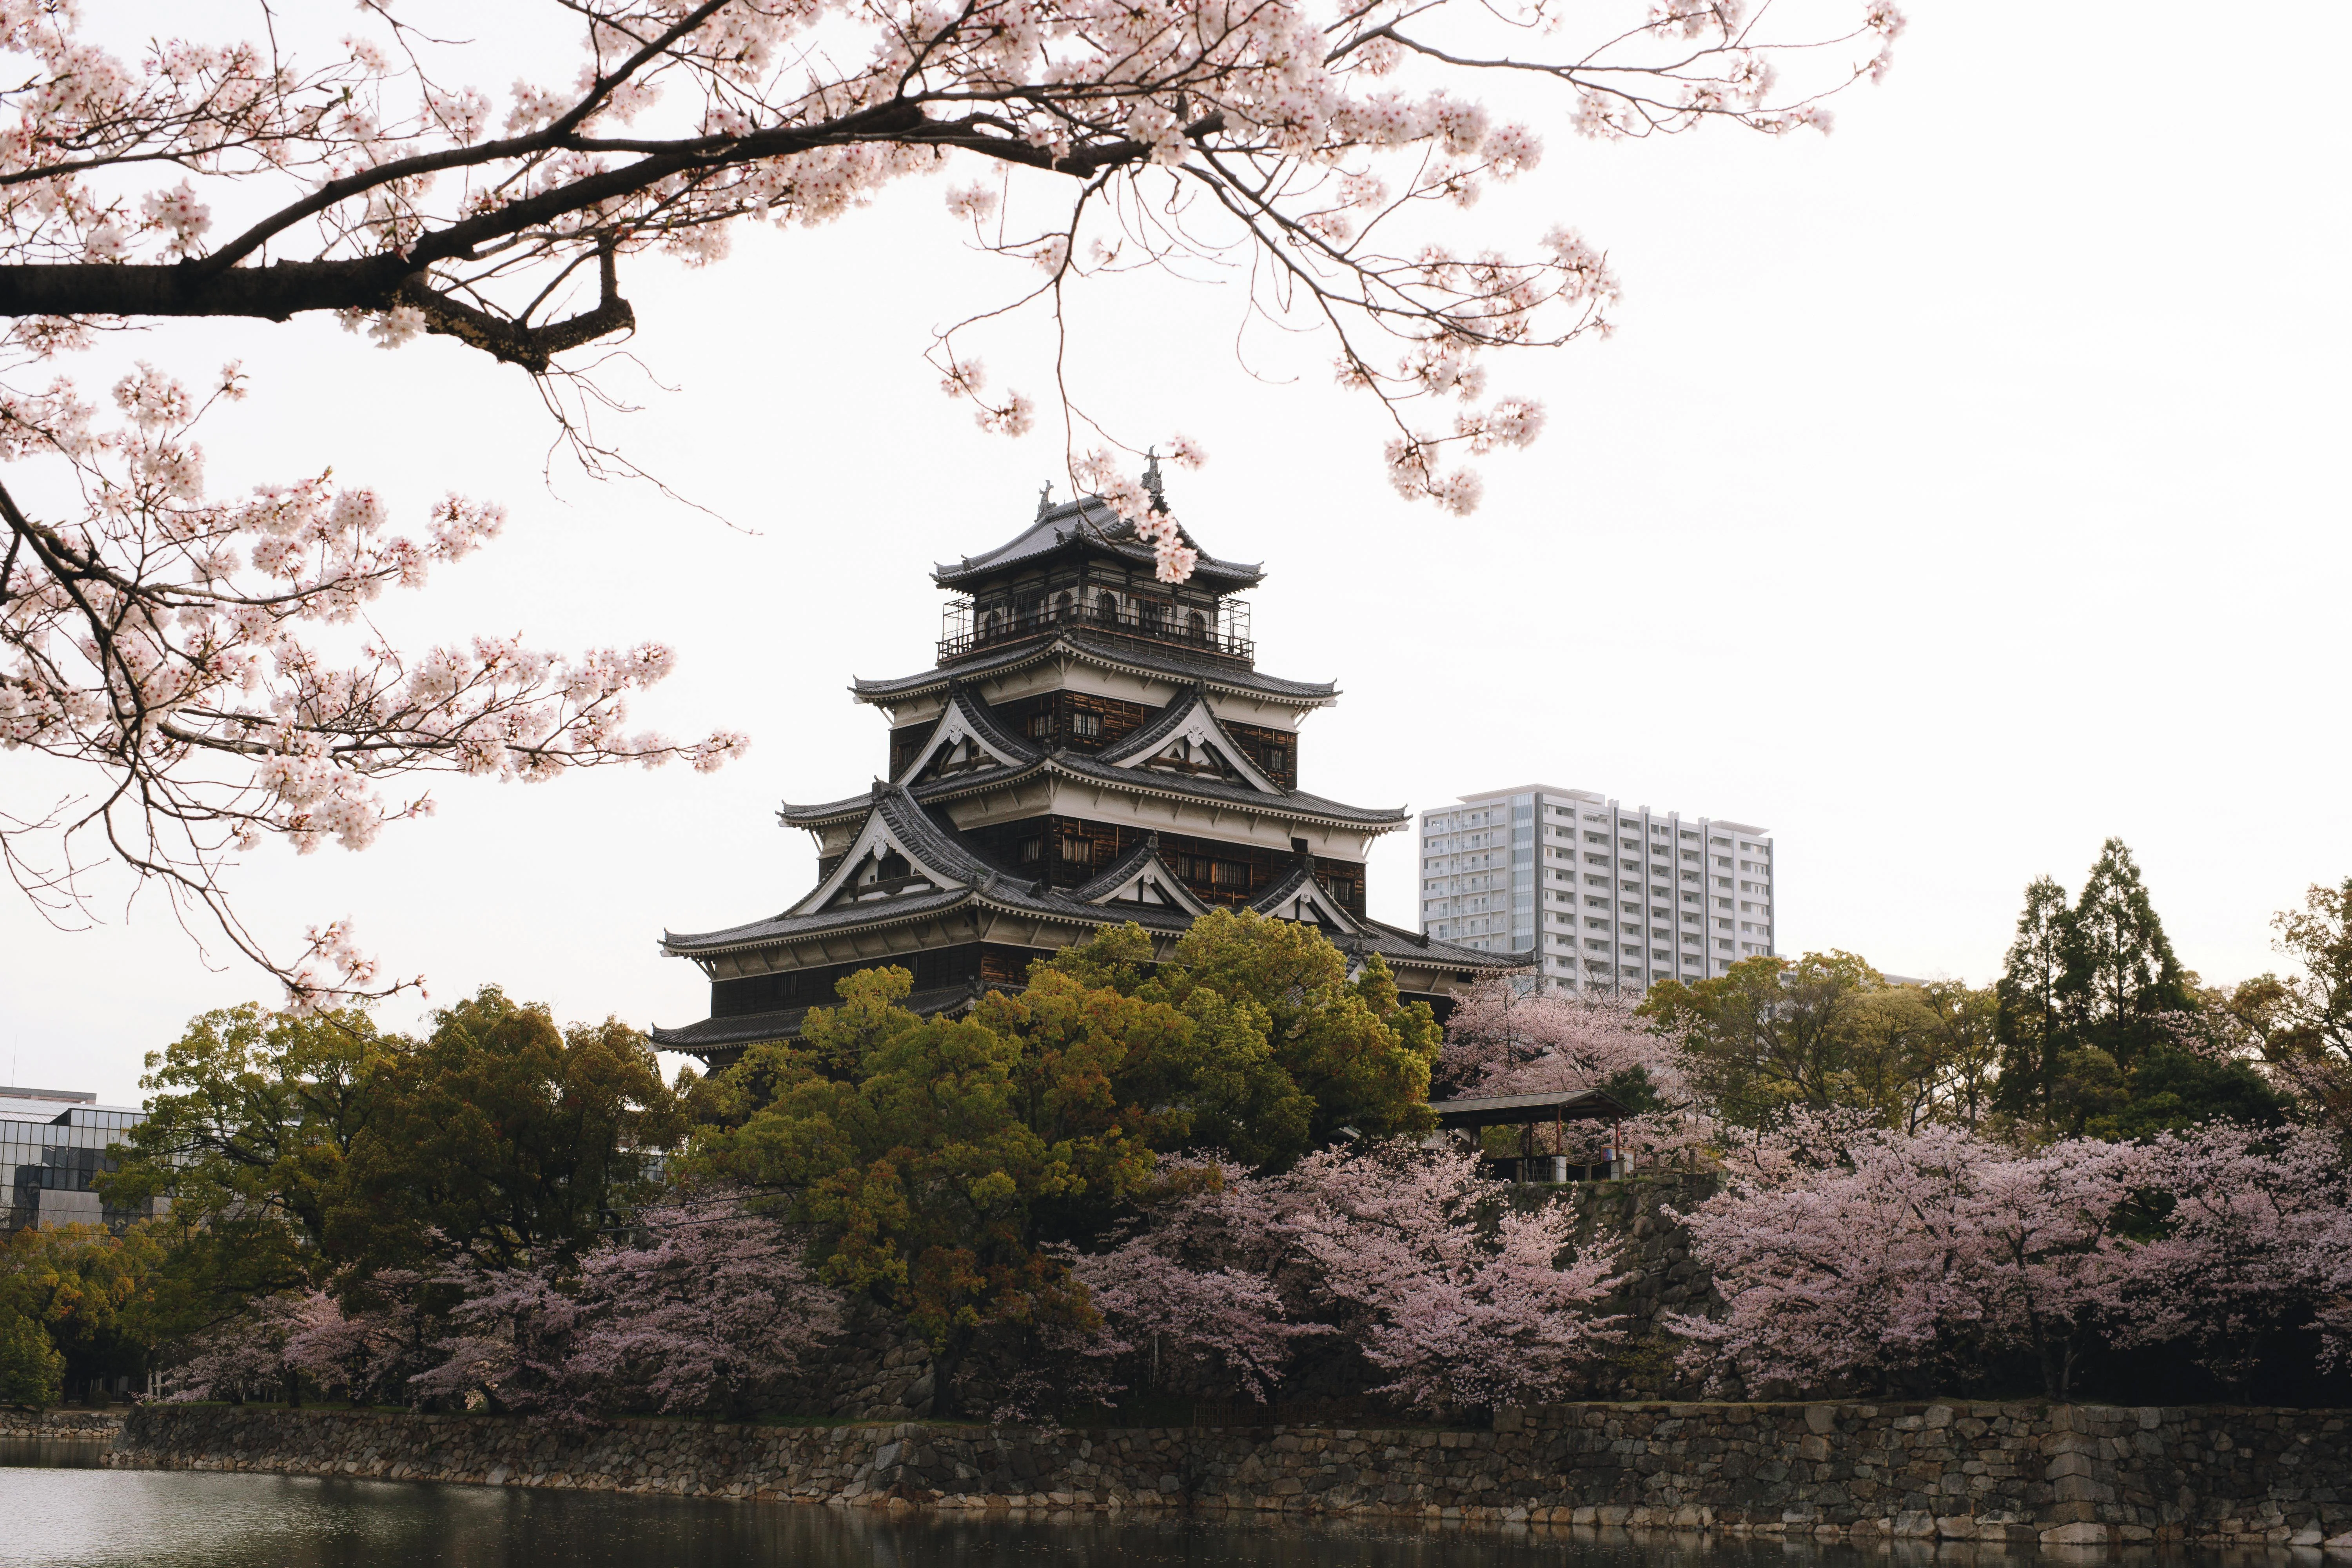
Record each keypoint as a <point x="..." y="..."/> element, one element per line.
<point x="970" y="878"/>
<point x="1078" y="766"/>
<point x="1087" y="526"/>
<point x="1290" y="803"/>
<point x="784" y="1023"/>
<point x="1136" y="655"/>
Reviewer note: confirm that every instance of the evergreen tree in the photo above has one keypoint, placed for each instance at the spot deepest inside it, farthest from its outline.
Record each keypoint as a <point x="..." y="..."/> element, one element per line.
<point x="2121" y="977"/>
<point x="2029" y="1025"/>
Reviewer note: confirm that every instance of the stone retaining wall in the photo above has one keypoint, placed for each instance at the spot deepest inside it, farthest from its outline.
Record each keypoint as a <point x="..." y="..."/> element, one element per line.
<point x="97" y="1426"/>
<point x="2007" y="1473"/>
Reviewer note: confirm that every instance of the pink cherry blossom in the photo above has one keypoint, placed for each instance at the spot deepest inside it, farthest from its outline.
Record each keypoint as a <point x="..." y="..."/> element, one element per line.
<point x="1887" y="1256"/>
<point x="703" y="1303"/>
<point x="1501" y="1040"/>
<point x="178" y="644"/>
<point x="1325" y="155"/>
<point x="1409" y="1255"/>
<point x="1319" y="136"/>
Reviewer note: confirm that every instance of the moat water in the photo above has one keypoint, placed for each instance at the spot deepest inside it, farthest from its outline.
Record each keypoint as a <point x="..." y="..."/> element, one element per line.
<point x="60" y="1509"/>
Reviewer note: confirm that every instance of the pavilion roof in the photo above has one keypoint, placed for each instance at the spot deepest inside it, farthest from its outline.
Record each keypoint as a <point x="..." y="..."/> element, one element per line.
<point x="1520" y="1110"/>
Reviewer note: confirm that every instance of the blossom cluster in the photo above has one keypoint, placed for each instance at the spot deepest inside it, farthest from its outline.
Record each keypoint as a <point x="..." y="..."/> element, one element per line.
<point x="1332" y="148"/>
<point x="1883" y="1253"/>
<point x="1407" y="1256"/>
<point x="702" y="1302"/>
<point x="211" y="656"/>
<point x="1501" y="1039"/>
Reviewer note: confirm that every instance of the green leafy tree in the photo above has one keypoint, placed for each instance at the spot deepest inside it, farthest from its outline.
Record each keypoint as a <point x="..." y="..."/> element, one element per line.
<point x="1356" y="1055"/>
<point x="2123" y="991"/>
<point x="1199" y="1068"/>
<point x="310" y="1149"/>
<point x="2030" y="1024"/>
<point x="2089" y="1088"/>
<point x="32" y="1371"/>
<point x="927" y="1173"/>
<point x="2300" y="1024"/>
<point x="2170" y="1088"/>
<point x="1896" y="1044"/>
<point x="942" y="1165"/>
<point x="502" y="1135"/>
<point x="251" y="1119"/>
<point x="1967" y="1025"/>
<point x="89" y="1292"/>
<point x="1770" y="1033"/>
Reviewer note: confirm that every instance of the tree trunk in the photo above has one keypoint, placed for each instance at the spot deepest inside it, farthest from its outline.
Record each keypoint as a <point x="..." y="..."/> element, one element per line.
<point x="946" y="1360"/>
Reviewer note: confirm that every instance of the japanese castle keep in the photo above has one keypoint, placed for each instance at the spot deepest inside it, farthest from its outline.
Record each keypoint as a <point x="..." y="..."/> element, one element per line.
<point x="1093" y="746"/>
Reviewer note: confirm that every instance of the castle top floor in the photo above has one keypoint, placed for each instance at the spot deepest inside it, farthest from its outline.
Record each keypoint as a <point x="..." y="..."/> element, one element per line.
<point x="1080" y="565"/>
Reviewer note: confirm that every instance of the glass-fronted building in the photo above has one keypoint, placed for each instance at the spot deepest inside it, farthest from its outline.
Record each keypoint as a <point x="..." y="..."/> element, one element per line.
<point x="53" y="1146"/>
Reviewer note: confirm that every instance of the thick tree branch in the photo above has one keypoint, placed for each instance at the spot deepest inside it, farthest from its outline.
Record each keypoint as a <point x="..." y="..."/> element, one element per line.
<point x="513" y="341"/>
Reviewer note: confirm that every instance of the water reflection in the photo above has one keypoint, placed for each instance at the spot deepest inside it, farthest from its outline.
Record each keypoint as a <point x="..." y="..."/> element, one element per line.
<point x="55" y="1453"/>
<point x="63" y="1515"/>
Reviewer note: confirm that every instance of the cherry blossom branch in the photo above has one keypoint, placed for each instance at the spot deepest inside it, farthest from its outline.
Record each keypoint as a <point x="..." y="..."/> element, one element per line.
<point x="169" y="644"/>
<point x="397" y="204"/>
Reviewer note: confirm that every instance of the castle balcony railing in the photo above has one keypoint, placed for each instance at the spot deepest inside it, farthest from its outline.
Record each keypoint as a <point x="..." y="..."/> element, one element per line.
<point x="1220" y="630"/>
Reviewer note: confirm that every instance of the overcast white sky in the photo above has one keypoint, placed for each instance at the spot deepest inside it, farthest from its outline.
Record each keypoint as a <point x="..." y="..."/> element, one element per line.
<point x="1961" y="489"/>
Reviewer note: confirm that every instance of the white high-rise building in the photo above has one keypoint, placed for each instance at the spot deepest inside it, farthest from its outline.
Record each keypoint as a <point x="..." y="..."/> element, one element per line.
<point x="1597" y="893"/>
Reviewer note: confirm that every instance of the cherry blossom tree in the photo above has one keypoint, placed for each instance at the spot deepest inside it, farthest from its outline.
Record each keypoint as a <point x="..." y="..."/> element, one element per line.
<point x="1899" y="1258"/>
<point x="2257" y="1240"/>
<point x="1463" y="1300"/>
<point x="365" y="1342"/>
<point x="243" y="1354"/>
<point x="1326" y="156"/>
<point x="1407" y="1254"/>
<point x="1309" y="143"/>
<point x="708" y="1304"/>
<point x="361" y="1348"/>
<point x="1501" y="1040"/>
<point x="1919" y="1254"/>
<point x="1194" y="1287"/>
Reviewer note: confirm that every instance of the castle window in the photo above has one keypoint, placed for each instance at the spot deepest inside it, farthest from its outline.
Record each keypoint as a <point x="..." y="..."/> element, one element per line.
<point x="1086" y="725"/>
<point x="1078" y="851"/>
<point x="1032" y="851"/>
<point x="1041" y="726"/>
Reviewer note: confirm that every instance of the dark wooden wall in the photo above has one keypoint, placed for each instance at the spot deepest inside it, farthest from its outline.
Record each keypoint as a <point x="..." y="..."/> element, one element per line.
<point x="1066" y="851"/>
<point x="991" y="964"/>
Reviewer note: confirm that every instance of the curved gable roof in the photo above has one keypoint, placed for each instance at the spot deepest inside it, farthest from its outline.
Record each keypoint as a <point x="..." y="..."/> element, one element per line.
<point x="1301" y="896"/>
<point x="968" y="717"/>
<point x="1189" y="717"/>
<point x="1150" y="879"/>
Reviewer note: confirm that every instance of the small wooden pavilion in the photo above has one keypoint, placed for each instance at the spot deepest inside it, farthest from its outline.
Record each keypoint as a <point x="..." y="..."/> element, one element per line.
<point x="1528" y="1112"/>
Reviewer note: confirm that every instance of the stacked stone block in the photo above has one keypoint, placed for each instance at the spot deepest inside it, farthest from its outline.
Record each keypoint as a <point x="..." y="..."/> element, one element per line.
<point x="1999" y="1473"/>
